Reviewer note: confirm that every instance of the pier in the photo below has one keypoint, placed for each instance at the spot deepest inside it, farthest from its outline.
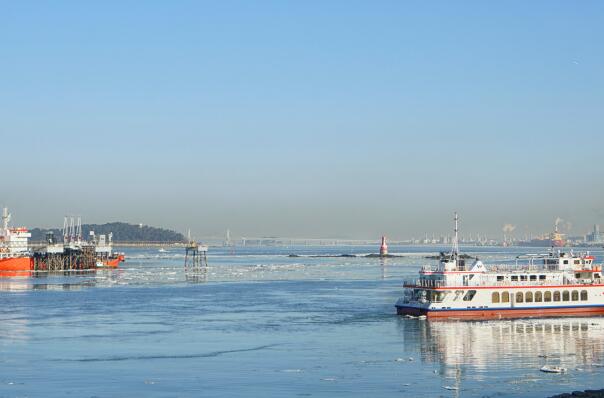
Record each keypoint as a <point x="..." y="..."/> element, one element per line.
<point x="81" y="258"/>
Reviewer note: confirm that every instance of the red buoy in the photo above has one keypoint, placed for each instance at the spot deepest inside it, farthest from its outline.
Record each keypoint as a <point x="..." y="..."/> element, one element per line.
<point x="384" y="247"/>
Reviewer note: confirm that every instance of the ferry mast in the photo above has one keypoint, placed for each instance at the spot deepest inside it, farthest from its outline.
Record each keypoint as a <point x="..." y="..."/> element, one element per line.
<point x="455" y="249"/>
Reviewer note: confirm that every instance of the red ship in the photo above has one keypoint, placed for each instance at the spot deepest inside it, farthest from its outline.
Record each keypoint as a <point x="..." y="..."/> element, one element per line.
<point x="14" y="253"/>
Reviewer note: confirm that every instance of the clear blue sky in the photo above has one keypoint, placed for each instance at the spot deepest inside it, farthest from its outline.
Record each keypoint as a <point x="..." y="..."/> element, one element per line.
<point x="314" y="118"/>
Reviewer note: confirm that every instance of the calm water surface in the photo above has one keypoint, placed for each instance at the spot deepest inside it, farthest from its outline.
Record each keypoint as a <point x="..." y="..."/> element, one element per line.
<point x="260" y="323"/>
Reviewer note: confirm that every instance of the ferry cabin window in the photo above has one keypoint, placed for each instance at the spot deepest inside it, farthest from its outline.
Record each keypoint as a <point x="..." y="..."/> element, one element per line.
<point x="547" y="296"/>
<point x="469" y="295"/>
<point x="522" y="277"/>
<point x="533" y="277"/>
<point x="519" y="297"/>
<point x="495" y="297"/>
<point x="438" y="297"/>
<point x="583" y="295"/>
<point x="577" y="262"/>
<point x="514" y="277"/>
<point x="499" y="278"/>
<point x="574" y="296"/>
<point x="528" y="297"/>
<point x="565" y="262"/>
<point x="538" y="297"/>
<point x="541" y="277"/>
<point x="556" y="296"/>
<point x="577" y="275"/>
<point x="565" y="295"/>
<point x="505" y="297"/>
<point x="597" y="276"/>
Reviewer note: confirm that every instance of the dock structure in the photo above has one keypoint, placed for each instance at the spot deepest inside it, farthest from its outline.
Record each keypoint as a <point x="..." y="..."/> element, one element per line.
<point x="196" y="261"/>
<point x="74" y="255"/>
<point x="65" y="259"/>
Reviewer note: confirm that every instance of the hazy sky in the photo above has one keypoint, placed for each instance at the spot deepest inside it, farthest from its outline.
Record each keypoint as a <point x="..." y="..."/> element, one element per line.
<point x="307" y="118"/>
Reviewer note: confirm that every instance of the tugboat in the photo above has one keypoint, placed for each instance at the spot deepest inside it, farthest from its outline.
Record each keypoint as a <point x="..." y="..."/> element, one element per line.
<point x="555" y="284"/>
<point x="106" y="258"/>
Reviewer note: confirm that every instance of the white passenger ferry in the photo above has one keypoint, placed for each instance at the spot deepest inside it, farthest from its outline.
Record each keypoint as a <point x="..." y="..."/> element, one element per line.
<point x="556" y="284"/>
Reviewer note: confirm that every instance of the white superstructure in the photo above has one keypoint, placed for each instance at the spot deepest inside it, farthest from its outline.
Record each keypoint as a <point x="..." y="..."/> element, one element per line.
<point x="13" y="241"/>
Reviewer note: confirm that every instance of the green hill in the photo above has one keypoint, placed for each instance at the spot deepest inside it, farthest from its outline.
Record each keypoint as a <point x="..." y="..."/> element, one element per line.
<point x="122" y="232"/>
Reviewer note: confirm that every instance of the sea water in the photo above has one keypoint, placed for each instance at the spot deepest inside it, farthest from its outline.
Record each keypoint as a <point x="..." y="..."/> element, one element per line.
<point x="261" y="323"/>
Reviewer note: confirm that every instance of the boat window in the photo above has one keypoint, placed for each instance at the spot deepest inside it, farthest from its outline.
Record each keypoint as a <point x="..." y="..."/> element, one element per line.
<point x="556" y="296"/>
<point x="577" y="275"/>
<point x="499" y="278"/>
<point x="574" y="296"/>
<point x="514" y="277"/>
<point x="565" y="261"/>
<point x="583" y="295"/>
<point x="469" y="295"/>
<point x="533" y="277"/>
<point x="565" y="295"/>
<point x="519" y="297"/>
<point x="528" y="297"/>
<point x="505" y="297"/>
<point x="541" y="277"/>
<point x="597" y="276"/>
<point x="522" y="277"/>
<point x="577" y="261"/>
<point x="538" y="297"/>
<point x="547" y="296"/>
<point x="495" y="297"/>
<point x="438" y="297"/>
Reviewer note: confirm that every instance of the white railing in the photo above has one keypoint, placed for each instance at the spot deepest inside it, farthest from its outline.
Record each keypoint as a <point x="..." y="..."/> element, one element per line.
<point x="427" y="283"/>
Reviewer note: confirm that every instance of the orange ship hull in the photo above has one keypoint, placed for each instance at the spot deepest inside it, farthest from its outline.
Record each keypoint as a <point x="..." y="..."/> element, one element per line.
<point x="16" y="264"/>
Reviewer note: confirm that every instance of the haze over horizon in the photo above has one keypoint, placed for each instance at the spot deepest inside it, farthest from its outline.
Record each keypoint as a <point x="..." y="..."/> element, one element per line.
<point x="332" y="119"/>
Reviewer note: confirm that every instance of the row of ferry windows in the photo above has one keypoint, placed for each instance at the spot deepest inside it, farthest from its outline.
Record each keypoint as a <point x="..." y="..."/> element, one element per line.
<point x="539" y="297"/>
<point x="522" y="277"/>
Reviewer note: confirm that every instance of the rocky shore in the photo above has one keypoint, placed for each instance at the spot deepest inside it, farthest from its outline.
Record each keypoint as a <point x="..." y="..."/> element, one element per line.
<point x="581" y="394"/>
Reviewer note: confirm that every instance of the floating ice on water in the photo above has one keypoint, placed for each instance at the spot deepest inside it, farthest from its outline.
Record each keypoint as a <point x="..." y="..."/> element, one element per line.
<point x="552" y="369"/>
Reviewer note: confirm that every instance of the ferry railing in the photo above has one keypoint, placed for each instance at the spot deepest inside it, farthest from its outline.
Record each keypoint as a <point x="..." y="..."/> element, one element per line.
<point x="419" y="283"/>
<point x="427" y="283"/>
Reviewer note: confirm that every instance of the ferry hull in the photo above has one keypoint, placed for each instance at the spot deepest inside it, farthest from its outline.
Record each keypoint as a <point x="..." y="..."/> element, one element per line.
<point x="503" y="312"/>
<point x="16" y="264"/>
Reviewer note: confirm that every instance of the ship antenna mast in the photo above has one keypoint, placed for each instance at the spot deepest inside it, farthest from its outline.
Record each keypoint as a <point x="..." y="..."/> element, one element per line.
<point x="5" y="218"/>
<point x="455" y="251"/>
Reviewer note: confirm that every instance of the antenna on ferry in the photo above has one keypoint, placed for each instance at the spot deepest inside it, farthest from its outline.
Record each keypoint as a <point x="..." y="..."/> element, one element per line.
<point x="455" y="252"/>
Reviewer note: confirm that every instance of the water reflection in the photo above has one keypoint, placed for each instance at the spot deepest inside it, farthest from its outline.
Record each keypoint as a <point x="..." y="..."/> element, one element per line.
<point x="384" y="267"/>
<point x="460" y="348"/>
<point x="60" y="280"/>
<point x="199" y="275"/>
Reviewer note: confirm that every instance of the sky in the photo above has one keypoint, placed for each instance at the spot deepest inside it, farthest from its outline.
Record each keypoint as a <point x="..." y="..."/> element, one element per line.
<point x="347" y="119"/>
